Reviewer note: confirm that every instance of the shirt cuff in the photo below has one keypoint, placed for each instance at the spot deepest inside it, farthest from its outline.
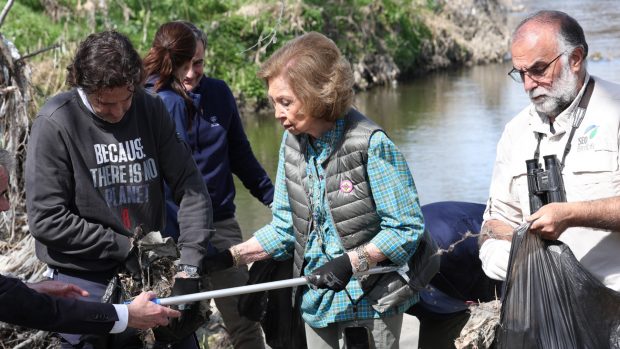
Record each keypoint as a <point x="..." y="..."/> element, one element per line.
<point x="392" y="249"/>
<point x="123" y="318"/>
<point x="264" y="236"/>
<point x="269" y="240"/>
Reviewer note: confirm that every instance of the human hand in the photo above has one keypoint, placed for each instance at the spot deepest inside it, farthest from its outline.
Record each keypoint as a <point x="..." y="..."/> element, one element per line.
<point x="334" y="275"/>
<point x="494" y="255"/>
<point x="551" y="220"/>
<point x="218" y="261"/>
<point x="58" y="289"/>
<point x="144" y="314"/>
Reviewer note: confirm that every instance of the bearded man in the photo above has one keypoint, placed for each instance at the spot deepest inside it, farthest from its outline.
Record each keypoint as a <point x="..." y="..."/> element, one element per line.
<point x="549" y="53"/>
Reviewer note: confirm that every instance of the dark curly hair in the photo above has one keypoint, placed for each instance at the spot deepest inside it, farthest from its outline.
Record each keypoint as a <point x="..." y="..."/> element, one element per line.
<point x="103" y="61"/>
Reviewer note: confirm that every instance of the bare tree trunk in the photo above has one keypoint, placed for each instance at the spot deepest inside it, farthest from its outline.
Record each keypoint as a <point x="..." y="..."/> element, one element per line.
<point x="15" y="105"/>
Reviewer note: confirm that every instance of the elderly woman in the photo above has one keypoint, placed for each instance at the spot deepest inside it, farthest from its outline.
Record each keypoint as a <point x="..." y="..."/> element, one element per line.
<point x="344" y="199"/>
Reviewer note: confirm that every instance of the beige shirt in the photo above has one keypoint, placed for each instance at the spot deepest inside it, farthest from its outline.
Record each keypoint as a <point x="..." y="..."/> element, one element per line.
<point x="591" y="172"/>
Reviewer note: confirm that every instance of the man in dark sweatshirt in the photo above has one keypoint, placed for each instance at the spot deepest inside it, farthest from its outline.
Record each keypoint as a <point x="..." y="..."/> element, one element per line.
<point x="221" y="148"/>
<point x="98" y="156"/>
<point x="56" y="306"/>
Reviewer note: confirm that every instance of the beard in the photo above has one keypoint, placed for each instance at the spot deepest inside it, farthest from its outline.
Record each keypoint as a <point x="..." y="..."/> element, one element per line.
<point x="552" y="101"/>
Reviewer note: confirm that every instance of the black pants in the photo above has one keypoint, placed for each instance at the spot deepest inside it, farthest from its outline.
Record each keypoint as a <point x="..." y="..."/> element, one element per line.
<point x="439" y="332"/>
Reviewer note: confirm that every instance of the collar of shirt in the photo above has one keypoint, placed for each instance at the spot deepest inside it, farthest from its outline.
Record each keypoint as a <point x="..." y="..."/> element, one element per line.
<point x="563" y="122"/>
<point x="85" y="100"/>
<point x="322" y="147"/>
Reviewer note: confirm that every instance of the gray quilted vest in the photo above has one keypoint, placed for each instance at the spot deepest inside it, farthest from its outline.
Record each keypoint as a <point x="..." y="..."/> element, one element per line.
<point x="352" y="207"/>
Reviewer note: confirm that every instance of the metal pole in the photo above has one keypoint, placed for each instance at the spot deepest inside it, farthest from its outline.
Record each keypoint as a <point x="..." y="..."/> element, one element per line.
<point x="266" y="286"/>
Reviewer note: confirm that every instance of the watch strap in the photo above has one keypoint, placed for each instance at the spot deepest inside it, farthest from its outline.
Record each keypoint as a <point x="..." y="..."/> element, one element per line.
<point x="363" y="259"/>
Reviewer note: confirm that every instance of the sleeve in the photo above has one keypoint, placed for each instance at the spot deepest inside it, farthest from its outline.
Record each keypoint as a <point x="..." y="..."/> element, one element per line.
<point x="120" y="325"/>
<point x="188" y="190"/>
<point x="396" y="199"/>
<point x="277" y="238"/>
<point x="177" y="109"/>
<point x="503" y="203"/>
<point x="50" y="190"/>
<point x="25" y="307"/>
<point x="178" y="112"/>
<point x="243" y="162"/>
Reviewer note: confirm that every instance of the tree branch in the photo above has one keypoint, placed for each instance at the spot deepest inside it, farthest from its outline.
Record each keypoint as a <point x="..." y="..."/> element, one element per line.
<point x="5" y="11"/>
<point x="271" y="37"/>
<point x="36" y="52"/>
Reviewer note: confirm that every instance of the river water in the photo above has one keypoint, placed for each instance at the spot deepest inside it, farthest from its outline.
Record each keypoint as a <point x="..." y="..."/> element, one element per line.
<point x="447" y="124"/>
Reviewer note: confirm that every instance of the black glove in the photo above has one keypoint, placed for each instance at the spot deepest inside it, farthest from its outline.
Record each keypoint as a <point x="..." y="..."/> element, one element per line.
<point x="185" y="286"/>
<point x="218" y="261"/>
<point x="192" y="316"/>
<point x="334" y="274"/>
<point x="132" y="264"/>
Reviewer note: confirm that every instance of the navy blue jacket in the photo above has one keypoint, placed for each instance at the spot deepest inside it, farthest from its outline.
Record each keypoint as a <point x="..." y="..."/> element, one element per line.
<point x="219" y="147"/>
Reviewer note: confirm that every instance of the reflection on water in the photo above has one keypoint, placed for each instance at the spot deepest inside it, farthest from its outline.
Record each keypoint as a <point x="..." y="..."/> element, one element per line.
<point x="447" y="124"/>
<point x="451" y="122"/>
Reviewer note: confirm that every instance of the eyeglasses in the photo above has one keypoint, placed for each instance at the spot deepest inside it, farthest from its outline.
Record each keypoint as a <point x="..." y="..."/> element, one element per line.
<point x="537" y="72"/>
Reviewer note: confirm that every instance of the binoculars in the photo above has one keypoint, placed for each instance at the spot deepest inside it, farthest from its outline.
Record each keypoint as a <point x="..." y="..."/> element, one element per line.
<point x="544" y="186"/>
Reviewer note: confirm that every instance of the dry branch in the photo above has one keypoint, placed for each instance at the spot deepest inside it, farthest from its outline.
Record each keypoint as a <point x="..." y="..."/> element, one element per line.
<point x="39" y="51"/>
<point x="5" y="11"/>
<point x="16" y="104"/>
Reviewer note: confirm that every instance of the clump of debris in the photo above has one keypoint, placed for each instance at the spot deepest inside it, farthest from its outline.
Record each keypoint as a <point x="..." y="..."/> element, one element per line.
<point x="479" y="331"/>
<point x="157" y="258"/>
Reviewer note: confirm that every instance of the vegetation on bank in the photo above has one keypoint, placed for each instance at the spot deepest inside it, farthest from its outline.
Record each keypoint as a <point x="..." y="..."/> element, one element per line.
<point x="242" y="33"/>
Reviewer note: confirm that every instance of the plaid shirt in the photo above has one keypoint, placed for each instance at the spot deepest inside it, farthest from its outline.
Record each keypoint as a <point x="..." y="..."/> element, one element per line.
<point x="397" y="204"/>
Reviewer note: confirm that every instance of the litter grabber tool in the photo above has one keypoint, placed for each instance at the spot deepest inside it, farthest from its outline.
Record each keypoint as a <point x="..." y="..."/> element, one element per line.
<point x="266" y="286"/>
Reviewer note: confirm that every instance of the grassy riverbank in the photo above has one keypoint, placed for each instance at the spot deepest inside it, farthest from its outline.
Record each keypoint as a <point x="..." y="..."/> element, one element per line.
<point x="384" y="40"/>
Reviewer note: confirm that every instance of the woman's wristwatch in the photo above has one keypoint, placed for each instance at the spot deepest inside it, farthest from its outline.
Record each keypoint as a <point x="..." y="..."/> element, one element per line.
<point x="363" y="259"/>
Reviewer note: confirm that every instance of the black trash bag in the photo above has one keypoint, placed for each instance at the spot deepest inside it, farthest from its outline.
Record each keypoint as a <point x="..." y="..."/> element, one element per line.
<point x="551" y="301"/>
<point x="280" y="320"/>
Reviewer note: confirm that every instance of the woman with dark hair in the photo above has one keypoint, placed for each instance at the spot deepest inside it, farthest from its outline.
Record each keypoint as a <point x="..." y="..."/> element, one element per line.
<point x="344" y="201"/>
<point x="166" y="64"/>
<point x="221" y="149"/>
